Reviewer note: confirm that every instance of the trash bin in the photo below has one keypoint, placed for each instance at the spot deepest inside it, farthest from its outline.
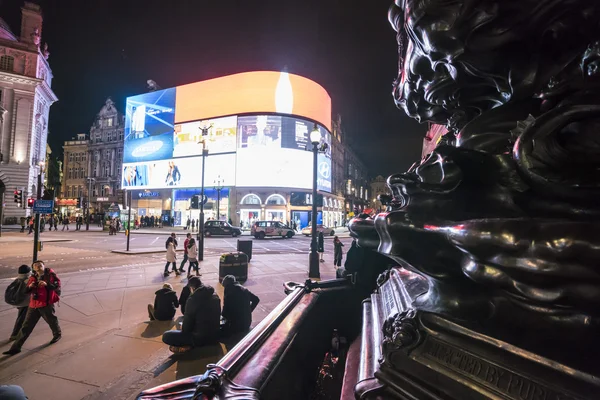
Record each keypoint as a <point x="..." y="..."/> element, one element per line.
<point x="235" y="264"/>
<point x="245" y="246"/>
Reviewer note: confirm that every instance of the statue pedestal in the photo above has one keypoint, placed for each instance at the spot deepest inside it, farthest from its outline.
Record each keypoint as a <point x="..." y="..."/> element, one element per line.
<point x="426" y="356"/>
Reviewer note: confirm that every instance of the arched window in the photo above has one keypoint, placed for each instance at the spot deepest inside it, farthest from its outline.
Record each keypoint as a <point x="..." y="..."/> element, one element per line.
<point x="250" y="199"/>
<point x="7" y="63"/>
<point x="275" y="200"/>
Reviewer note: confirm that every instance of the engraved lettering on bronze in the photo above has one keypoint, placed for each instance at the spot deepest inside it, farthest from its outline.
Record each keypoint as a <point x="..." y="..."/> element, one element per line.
<point x="492" y="376"/>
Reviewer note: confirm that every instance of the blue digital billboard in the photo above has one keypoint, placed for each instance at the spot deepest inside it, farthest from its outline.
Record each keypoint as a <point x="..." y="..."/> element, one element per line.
<point x="149" y="126"/>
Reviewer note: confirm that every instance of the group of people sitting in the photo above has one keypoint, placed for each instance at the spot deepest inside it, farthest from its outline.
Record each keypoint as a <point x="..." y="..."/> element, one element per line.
<point x="203" y="322"/>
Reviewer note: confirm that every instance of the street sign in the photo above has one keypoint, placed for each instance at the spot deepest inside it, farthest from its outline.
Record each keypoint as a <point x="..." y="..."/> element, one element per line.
<point x="43" y="206"/>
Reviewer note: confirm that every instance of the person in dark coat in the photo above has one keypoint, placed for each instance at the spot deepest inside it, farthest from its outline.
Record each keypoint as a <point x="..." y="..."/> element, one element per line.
<point x="321" y="246"/>
<point x="238" y="304"/>
<point x="165" y="304"/>
<point x="183" y="297"/>
<point x="201" y="321"/>
<point x="23" y="272"/>
<point x="337" y="251"/>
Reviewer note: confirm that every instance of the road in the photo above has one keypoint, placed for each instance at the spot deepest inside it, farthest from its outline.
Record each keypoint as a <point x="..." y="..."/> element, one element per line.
<point x="79" y="251"/>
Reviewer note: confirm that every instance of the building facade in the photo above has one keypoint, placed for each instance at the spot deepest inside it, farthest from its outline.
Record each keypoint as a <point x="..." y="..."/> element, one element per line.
<point x="357" y="183"/>
<point x="92" y="164"/>
<point x="25" y="100"/>
<point x="378" y="187"/>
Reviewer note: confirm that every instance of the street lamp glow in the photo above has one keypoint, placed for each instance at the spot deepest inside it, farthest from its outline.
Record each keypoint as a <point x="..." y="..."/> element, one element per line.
<point x="315" y="135"/>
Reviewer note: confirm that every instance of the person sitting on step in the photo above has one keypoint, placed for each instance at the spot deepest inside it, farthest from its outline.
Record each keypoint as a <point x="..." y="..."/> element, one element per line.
<point x="165" y="304"/>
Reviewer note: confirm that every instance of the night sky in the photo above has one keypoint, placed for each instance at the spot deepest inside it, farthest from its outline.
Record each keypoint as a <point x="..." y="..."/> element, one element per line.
<point x="107" y="48"/>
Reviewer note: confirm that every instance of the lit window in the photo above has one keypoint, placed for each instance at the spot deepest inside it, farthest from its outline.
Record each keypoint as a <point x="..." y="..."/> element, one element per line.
<point x="109" y="122"/>
<point x="250" y="199"/>
<point x="276" y="200"/>
<point x="7" y="63"/>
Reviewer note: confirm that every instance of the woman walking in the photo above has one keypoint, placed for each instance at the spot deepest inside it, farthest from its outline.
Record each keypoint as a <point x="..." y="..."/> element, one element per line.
<point x="192" y="251"/>
<point x="337" y="251"/>
<point x="171" y="245"/>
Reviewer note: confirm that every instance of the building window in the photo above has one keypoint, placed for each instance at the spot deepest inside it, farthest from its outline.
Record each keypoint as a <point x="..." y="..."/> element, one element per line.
<point x="68" y="191"/>
<point x="70" y="173"/>
<point x="94" y="190"/>
<point x="275" y="200"/>
<point x="81" y="173"/>
<point x="97" y="156"/>
<point x="7" y="63"/>
<point x="120" y="135"/>
<point x="83" y="156"/>
<point x="99" y="138"/>
<point x="107" y="154"/>
<point x="114" y="136"/>
<point x="119" y="155"/>
<point x="349" y="186"/>
<point x="349" y="169"/>
<point x="76" y="156"/>
<point x="70" y="156"/>
<point x="80" y="191"/>
<point x="107" y="170"/>
<point x="250" y="199"/>
<point x="109" y="122"/>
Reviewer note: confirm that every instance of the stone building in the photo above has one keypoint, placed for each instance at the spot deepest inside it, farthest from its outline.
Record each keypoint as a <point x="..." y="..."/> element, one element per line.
<point x="94" y="162"/>
<point x="25" y="100"/>
<point x="378" y="187"/>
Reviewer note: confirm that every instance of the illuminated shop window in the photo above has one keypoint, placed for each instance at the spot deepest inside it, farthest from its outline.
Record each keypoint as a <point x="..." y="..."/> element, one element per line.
<point x="250" y="199"/>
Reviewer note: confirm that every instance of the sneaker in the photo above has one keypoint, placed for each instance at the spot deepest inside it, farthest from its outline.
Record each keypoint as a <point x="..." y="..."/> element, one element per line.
<point x="179" y="349"/>
<point x="12" y="352"/>
<point x="55" y="339"/>
<point x="166" y="274"/>
<point x="181" y="270"/>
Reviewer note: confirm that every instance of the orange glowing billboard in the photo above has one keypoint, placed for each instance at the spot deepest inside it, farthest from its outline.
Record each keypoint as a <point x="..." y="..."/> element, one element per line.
<point x="253" y="92"/>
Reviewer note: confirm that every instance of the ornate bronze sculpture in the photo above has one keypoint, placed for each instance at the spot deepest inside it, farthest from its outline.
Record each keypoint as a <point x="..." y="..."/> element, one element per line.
<point x="496" y="235"/>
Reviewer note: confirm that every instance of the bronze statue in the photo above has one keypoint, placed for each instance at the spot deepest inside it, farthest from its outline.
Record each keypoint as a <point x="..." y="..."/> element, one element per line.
<point x="495" y="234"/>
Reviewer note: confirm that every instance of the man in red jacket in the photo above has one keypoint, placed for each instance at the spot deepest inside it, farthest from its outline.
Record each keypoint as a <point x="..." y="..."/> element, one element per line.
<point x="44" y="287"/>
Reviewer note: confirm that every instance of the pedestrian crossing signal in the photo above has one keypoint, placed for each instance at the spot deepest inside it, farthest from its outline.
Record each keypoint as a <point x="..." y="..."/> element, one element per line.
<point x="195" y="202"/>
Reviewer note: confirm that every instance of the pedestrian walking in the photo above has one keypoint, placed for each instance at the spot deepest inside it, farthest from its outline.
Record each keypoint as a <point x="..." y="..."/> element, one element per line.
<point x="17" y="294"/>
<point x="23" y="222"/>
<point x="171" y="245"/>
<point x="337" y="251"/>
<point x="65" y="222"/>
<point x="187" y="224"/>
<point x="192" y="254"/>
<point x="193" y="225"/>
<point x="165" y="304"/>
<point x="321" y="246"/>
<point x="50" y="222"/>
<point x="185" y="251"/>
<point x="136" y="224"/>
<point x="42" y="224"/>
<point x="44" y="286"/>
<point x="55" y="223"/>
<point x="31" y="221"/>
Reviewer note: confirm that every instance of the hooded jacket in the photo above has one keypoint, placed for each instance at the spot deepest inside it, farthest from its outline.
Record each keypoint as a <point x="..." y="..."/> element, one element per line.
<point x="42" y="296"/>
<point x="202" y="316"/>
<point x="238" y="304"/>
<point x="165" y="304"/>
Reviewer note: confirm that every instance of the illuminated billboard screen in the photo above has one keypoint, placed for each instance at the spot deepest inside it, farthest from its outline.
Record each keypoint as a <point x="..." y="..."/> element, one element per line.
<point x="256" y="127"/>
<point x="149" y="122"/>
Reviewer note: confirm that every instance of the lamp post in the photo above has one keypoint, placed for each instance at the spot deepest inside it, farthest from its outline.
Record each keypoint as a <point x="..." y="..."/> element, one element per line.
<point x="36" y="233"/>
<point x="313" y="259"/>
<point x="219" y="186"/>
<point x="200" y="235"/>
<point x="87" y="203"/>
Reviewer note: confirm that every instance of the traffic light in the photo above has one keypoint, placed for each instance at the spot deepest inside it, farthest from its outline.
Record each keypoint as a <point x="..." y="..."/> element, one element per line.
<point x="79" y="202"/>
<point x="195" y="203"/>
<point x="30" y="202"/>
<point x="18" y="196"/>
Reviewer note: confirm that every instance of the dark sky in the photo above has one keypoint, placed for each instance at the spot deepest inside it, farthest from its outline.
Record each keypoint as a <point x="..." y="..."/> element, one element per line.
<point x="106" y="48"/>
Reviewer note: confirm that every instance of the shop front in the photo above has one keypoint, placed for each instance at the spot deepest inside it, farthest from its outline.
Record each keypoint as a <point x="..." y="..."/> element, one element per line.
<point x="213" y="199"/>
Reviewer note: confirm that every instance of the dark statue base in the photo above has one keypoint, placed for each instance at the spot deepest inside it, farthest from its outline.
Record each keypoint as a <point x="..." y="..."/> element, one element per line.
<point x="425" y="356"/>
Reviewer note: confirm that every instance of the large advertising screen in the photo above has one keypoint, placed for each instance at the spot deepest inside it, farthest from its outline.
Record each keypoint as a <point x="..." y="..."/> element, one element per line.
<point x="267" y="146"/>
<point x="149" y="122"/>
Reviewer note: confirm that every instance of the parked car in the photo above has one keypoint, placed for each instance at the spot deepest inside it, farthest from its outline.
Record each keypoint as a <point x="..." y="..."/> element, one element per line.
<point x="261" y="229"/>
<point x="221" y="228"/>
<point x="320" y="228"/>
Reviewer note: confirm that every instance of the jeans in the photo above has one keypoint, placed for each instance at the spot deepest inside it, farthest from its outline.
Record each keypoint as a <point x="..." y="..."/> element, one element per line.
<point x="167" y="266"/>
<point x="178" y="338"/>
<point x="194" y="266"/>
<point x="31" y="319"/>
<point x="337" y="259"/>
<point x="185" y="258"/>
<point x="22" y="312"/>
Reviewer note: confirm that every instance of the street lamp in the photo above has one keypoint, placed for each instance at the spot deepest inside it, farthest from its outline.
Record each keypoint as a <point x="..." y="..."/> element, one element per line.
<point x="219" y="186"/>
<point x="200" y="235"/>
<point x="36" y="233"/>
<point x="313" y="259"/>
<point x="90" y="180"/>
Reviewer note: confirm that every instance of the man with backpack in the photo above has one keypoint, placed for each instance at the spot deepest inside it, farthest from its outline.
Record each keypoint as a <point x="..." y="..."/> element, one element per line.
<point x="44" y="287"/>
<point x="17" y="295"/>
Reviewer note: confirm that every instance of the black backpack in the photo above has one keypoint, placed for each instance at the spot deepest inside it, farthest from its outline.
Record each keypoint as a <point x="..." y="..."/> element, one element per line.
<point x="16" y="292"/>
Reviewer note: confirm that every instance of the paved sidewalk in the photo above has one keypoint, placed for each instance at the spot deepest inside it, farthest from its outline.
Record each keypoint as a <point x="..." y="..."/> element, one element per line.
<point x="109" y="348"/>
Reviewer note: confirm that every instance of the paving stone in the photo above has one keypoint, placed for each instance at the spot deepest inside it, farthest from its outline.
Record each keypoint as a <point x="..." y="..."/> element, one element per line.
<point x="41" y="387"/>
